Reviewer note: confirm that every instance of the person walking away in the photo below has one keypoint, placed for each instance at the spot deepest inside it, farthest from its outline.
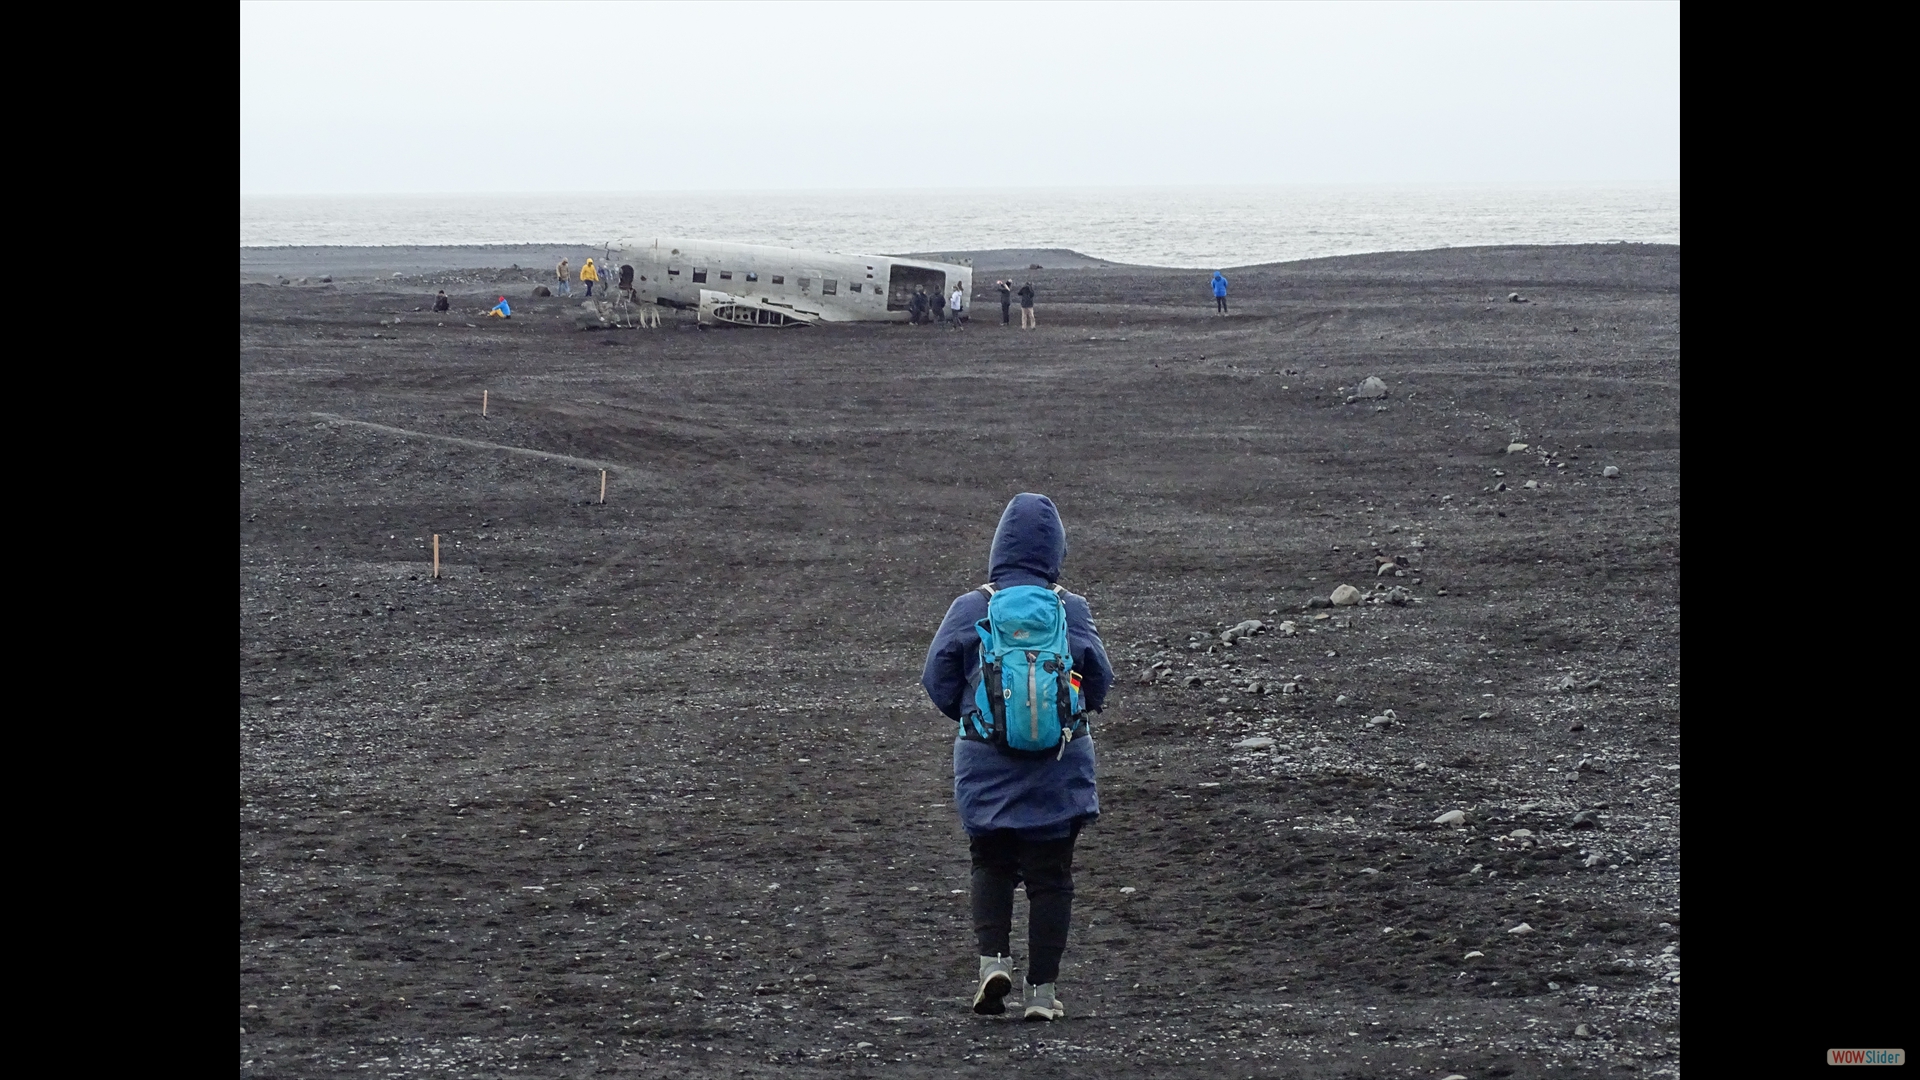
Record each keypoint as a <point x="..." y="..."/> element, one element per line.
<point x="917" y="306"/>
<point x="589" y="275"/>
<point x="565" y="274"/>
<point x="1220" y="291"/>
<point x="955" y="304"/>
<point x="1022" y="809"/>
<point x="1006" y="301"/>
<point x="441" y="303"/>
<point x="1027" y="321"/>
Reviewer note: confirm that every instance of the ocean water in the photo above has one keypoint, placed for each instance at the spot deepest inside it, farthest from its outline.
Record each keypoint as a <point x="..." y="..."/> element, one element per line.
<point x="1185" y="227"/>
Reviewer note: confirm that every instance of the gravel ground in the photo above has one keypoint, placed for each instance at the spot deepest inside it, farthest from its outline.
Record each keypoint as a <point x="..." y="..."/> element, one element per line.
<point x="648" y="787"/>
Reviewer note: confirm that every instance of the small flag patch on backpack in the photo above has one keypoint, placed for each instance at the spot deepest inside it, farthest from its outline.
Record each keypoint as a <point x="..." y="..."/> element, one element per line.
<point x="1074" y="678"/>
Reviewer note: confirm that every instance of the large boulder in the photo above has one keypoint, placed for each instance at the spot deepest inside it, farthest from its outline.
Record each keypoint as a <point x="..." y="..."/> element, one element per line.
<point x="1345" y="596"/>
<point x="1370" y="388"/>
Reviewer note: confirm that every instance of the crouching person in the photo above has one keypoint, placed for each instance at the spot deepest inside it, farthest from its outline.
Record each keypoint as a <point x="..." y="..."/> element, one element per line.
<point x="1018" y="664"/>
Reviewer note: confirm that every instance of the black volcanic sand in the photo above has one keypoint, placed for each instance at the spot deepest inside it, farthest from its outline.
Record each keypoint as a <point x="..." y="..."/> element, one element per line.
<point x="649" y="788"/>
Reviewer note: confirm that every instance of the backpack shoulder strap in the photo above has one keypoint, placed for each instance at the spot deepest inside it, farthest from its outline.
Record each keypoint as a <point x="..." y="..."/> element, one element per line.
<point x="1060" y="591"/>
<point x="987" y="590"/>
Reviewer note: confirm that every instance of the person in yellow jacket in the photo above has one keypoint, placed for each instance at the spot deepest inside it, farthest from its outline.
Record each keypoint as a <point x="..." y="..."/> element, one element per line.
<point x="589" y="275"/>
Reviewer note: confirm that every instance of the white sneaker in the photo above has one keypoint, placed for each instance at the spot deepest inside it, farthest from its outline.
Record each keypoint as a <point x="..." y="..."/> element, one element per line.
<point x="996" y="982"/>
<point x="1041" y="1004"/>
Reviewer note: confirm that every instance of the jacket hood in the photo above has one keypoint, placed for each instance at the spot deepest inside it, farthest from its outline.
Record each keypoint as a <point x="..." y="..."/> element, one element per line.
<point x="1029" y="540"/>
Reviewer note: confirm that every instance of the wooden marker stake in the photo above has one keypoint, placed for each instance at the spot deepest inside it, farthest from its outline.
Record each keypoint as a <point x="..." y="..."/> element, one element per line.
<point x="436" y="555"/>
<point x="603" y="485"/>
<point x="483" y="403"/>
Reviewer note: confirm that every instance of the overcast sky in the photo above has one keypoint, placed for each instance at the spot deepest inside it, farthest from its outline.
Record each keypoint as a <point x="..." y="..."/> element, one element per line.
<point x="343" y="98"/>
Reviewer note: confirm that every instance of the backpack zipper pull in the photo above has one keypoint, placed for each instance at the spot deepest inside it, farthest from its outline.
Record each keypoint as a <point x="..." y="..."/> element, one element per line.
<point x="1066" y="736"/>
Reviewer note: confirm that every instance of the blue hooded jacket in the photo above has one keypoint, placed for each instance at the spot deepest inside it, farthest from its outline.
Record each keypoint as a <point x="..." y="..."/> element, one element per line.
<point x="1042" y="798"/>
<point x="1219" y="283"/>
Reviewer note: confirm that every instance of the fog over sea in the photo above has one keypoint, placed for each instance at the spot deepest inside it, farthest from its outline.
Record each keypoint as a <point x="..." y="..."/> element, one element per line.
<point x="1183" y="227"/>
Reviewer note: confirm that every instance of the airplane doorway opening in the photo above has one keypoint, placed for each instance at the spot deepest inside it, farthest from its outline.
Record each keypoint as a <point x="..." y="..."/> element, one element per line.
<point x="902" y="279"/>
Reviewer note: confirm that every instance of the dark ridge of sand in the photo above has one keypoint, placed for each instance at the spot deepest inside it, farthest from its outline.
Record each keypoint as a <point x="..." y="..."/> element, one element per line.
<point x="270" y="264"/>
<point x="995" y="259"/>
<point x="361" y="263"/>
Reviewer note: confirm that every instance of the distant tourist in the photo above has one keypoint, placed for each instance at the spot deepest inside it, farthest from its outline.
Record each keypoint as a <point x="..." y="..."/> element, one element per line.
<point x="565" y="274"/>
<point x="1023" y="764"/>
<point x="1027" y="321"/>
<point x="441" y="303"/>
<point x="1220" y="291"/>
<point x="626" y="280"/>
<point x="589" y="275"/>
<point x="501" y="310"/>
<point x="1006" y="301"/>
<point x="955" y="304"/>
<point x="917" y="305"/>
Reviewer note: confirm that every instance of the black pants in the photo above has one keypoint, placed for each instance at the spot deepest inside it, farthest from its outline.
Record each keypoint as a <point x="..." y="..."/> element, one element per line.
<point x="1006" y="314"/>
<point x="1002" y="860"/>
<point x="1222" y="301"/>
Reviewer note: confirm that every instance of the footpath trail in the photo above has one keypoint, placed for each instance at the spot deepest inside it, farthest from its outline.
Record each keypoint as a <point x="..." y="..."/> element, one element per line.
<point x="648" y="787"/>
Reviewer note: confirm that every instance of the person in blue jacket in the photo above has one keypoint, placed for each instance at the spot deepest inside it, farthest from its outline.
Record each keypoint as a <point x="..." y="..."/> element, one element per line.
<point x="501" y="310"/>
<point x="1220" y="291"/>
<point x="1022" y="814"/>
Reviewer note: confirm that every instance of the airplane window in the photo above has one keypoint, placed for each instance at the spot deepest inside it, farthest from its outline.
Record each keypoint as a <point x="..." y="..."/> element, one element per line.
<point x="751" y="276"/>
<point x="673" y="271"/>
<point x="855" y="286"/>
<point x="829" y="287"/>
<point x="699" y="274"/>
<point x="726" y="275"/>
<point x="779" y="279"/>
<point x="803" y="283"/>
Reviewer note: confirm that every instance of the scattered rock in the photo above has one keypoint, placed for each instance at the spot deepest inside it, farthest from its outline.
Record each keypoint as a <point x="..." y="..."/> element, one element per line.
<point x="1585" y="819"/>
<point x="1370" y="388"/>
<point x="1319" y="602"/>
<point x="1523" y="928"/>
<point x="1474" y="955"/>
<point x="1244" y="629"/>
<point x="1577" y="726"/>
<point x="1515" y="298"/>
<point x="1128" y="889"/>
<point x="1398" y="596"/>
<point x="1451" y="817"/>
<point x="1531" y="485"/>
<point x="1259" y="742"/>
<point x="1582" y="1031"/>
<point x="1610" y="472"/>
<point x="1592" y="861"/>
<point x="1501" y="486"/>
<point x="1286" y="629"/>
<point x="1521" y="834"/>
<point x="1341" y="700"/>
<point x="1193" y="681"/>
<point x="542" y="290"/>
<point x="1345" y="596"/>
<point x="327" y="279"/>
<point x="1516" y="448"/>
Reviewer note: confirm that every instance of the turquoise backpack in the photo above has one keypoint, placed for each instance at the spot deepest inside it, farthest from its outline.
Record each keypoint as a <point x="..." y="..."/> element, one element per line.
<point x="1028" y="691"/>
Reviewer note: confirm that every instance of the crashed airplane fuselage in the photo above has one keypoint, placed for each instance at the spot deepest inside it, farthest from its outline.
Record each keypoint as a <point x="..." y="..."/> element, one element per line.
<point x="761" y="285"/>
